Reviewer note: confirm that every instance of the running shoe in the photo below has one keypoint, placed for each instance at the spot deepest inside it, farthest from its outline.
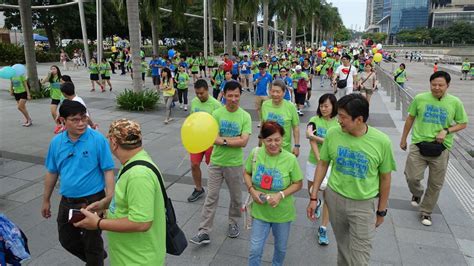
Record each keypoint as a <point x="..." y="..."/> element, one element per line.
<point x="415" y="201"/>
<point x="201" y="238"/>
<point x="28" y="123"/>
<point x="233" y="231"/>
<point x="197" y="194"/>
<point x="426" y="220"/>
<point x="323" y="236"/>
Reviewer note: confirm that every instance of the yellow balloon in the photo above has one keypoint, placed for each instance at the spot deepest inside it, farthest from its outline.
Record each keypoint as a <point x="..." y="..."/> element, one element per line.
<point x="378" y="57"/>
<point x="335" y="50"/>
<point x="374" y="50"/>
<point x="324" y="54"/>
<point x="198" y="132"/>
<point x="113" y="48"/>
<point x="318" y="68"/>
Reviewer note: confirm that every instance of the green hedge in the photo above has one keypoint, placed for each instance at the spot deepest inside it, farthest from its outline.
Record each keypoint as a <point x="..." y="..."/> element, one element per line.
<point x="138" y="101"/>
<point x="12" y="54"/>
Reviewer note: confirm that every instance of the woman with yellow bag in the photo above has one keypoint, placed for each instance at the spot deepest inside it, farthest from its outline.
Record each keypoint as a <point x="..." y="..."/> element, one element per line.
<point x="167" y="87"/>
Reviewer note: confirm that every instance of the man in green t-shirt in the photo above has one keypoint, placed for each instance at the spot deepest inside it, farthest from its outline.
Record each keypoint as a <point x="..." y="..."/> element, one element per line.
<point x="465" y="67"/>
<point x="136" y="219"/>
<point x="359" y="183"/>
<point x="203" y="102"/>
<point x="434" y="116"/>
<point x="235" y="127"/>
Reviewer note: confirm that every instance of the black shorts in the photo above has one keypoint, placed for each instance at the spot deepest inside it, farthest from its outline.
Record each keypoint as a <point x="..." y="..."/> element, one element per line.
<point x="55" y="102"/>
<point x="104" y="76"/>
<point x="156" y="80"/>
<point x="143" y="76"/>
<point x="94" y="77"/>
<point x="202" y="68"/>
<point x="21" y="95"/>
<point x="465" y="71"/>
<point x="300" y="98"/>
<point x="235" y="76"/>
<point x="194" y="72"/>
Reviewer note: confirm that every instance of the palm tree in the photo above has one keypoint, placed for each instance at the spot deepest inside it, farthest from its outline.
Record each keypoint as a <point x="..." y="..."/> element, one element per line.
<point x="133" y="17"/>
<point x="29" y="44"/>
<point x="211" y="27"/>
<point x="152" y="14"/>
<point x="265" y="24"/>
<point x="229" y="28"/>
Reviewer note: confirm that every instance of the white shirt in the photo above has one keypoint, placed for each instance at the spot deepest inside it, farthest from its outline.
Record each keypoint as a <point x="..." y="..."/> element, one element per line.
<point x="342" y="71"/>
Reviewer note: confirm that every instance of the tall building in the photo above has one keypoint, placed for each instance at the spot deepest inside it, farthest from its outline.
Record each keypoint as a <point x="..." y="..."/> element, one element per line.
<point x="374" y="12"/>
<point x="447" y="12"/>
<point x="408" y="14"/>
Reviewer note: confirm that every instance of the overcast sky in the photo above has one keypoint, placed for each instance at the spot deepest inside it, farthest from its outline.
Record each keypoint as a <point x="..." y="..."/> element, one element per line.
<point x="352" y="12"/>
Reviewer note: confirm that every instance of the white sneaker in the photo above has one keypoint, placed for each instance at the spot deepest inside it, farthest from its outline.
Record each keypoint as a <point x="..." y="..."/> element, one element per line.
<point x="185" y="107"/>
<point x="426" y="220"/>
<point x="180" y="106"/>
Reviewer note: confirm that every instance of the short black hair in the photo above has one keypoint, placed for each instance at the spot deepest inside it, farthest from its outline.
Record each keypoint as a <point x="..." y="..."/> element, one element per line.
<point x="66" y="78"/>
<point x="355" y="105"/>
<point x="201" y="83"/>
<point x="226" y="54"/>
<point x="232" y="85"/>
<point x="441" y="74"/>
<point x="262" y="65"/>
<point x="346" y="56"/>
<point x="71" y="108"/>
<point x="332" y="98"/>
<point x="68" y="88"/>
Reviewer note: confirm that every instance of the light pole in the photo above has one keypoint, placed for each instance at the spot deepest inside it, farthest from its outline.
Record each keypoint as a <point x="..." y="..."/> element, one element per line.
<point x="84" y="31"/>
<point x="206" y="39"/>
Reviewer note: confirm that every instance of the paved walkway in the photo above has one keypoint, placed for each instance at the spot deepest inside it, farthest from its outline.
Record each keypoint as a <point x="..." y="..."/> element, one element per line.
<point x="401" y="240"/>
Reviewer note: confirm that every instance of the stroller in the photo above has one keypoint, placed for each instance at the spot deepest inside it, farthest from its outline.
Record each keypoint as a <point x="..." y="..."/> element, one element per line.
<point x="13" y="243"/>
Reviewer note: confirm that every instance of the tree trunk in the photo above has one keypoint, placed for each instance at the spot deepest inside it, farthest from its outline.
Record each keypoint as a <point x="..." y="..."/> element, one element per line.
<point x="285" y="35"/>
<point x="265" y="25"/>
<point x="317" y="35"/>
<point x="211" y="27"/>
<point x="155" y="29"/>
<point x="255" y="30"/>
<point x="29" y="44"/>
<point x="134" y="33"/>
<point x="304" y="37"/>
<point x="312" y="32"/>
<point x="229" y="26"/>
<point x="50" y="34"/>
<point x="293" y="31"/>
<point x="275" y="25"/>
<point x="237" y="35"/>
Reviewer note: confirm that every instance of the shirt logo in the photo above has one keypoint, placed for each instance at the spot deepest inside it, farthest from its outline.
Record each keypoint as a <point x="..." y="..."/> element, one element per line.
<point x="229" y="129"/>
<point x="435" y="115"/>
<point x="85" y="154"/>
<point x="277" y="182"/>
<point x="277" y="118"/>
<point x="321" y="132"/>
<point x="352" y="163"/>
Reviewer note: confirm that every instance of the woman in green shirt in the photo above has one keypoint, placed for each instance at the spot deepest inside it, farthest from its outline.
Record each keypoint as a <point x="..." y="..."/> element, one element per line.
<point x="271" y="175"/>
<point x="400" y="75"/>
<point x="94" y="70"/>
<point x="167" y="87"/>
<point x="316" y="133"/>
<point x="19" y="89"/>
<point x="105" y="69"/>
<point x="182" y="79"/>
<point x="53" y="78"/>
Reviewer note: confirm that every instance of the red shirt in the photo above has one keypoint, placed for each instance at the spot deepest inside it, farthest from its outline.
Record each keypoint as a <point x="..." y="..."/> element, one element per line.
<point x="228" y="64"/>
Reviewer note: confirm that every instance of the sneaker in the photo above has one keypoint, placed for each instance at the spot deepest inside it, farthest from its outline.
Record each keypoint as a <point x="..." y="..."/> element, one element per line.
<point x="185" y="108"/>
<point x="201" y="238"/>
<point x="300" y="113"/>
<point x="323" y="236"/>
<point x="28" y="123"/>
<point x="248" y="89"/>
<point x="317" y="211"/>
<point x="197" y="194"/>
<point x="180" y="106"/>
<point x="415" y="201"/>
<point x="233" y="231"/>
<point x="426" y="220"/>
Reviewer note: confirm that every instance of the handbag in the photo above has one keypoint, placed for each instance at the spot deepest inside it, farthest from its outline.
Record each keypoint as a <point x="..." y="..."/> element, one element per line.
<point x="430" y="149"/>
<point x="176" y="241"/>
<point x="342" y="83"/>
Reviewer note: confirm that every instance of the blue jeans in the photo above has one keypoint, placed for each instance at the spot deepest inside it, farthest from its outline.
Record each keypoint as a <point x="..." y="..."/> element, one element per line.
<point x="260" y="231"/>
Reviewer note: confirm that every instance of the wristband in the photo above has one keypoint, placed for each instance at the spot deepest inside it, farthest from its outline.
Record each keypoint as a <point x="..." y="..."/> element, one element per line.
<point x="282" y="194"/>
<point x="98" y="223"/>
<point x="311" y="199"/>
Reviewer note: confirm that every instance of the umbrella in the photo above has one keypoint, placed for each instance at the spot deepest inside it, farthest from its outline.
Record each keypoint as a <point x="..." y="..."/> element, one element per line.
<point x="40" y="38"/>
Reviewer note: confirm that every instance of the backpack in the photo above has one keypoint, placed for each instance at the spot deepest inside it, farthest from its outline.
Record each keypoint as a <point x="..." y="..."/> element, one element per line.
<point x="302" y="86"/>
<point x="13" y="243"/>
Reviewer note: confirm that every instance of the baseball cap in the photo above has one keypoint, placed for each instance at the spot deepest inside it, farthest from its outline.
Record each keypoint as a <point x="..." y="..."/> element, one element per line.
<point x="125" y="131"/>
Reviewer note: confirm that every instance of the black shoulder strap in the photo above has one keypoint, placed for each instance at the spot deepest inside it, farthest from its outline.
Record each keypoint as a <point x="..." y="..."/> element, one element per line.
<point x="153" y="168"/>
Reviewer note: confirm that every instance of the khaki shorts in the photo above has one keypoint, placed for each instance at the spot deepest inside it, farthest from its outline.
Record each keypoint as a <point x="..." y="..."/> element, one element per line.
<point x="367" y="91"/>
<point x="259" y="100"/>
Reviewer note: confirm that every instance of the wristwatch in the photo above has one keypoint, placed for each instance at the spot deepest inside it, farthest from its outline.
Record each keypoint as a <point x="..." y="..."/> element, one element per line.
<point x="225" y="142"/>
<point x="447" y="131"/>
<point x="382" y="213"/>
<point x="297" y="145"/>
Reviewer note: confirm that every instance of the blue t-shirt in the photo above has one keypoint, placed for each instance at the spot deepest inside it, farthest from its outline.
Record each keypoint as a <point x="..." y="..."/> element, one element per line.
<point x="155" y="67"/>
<point x="245" y="67"/>
<point x="81" y="164"/>
<point x="262" y="85"/>
<point x="289" y="84"/>
<point x="223" y="101"/>
<point x="235" y="69"/>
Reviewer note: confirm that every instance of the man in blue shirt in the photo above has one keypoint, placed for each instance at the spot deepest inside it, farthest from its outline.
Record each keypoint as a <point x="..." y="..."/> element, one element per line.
<point x="155" y="65"/>
<point x="262" y="79"/>
<point x="245" y="72"/>
<point x="82" y="158"/>
<point x="289" y="84"/>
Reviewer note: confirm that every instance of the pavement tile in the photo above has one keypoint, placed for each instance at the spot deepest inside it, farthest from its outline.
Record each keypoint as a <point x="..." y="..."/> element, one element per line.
<point x="416" y="254"/>
<point x="6" y="205"/>
<point x="230" y="260"/>
<point x="12" y="167"/>
<point x="8" y="185"/>
<point x="56" y="257"/>
<point x="467" y="247"/>
<point x="28" y="193"/>
<point x="426" y="238"/>
<point x="411" y="220"/>
<point x="42" y="237"/>
<point x="32" y="173"/>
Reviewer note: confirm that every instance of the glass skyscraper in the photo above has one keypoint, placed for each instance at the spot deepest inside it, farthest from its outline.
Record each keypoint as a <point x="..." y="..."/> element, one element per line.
<point x="408" y="14"/>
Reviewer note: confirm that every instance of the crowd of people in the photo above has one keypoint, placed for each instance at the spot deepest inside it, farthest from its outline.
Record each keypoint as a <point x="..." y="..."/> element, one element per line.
<point x="348" y="170"/>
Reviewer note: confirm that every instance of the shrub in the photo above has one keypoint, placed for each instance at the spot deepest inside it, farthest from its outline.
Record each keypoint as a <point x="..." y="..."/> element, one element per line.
<point x="12" y="54"/>
<point x="138" y="101"/>
<point x="44" y="92"/>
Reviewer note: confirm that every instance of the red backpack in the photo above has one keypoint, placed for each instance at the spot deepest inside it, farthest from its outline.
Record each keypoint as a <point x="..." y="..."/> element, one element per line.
<point x="302" y="87"/>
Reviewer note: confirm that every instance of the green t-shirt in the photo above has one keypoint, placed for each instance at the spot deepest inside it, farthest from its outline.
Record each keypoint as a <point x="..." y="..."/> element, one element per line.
<point x="402" y="78"/>
<point x="182" y="79"/>
<point x="93" y="68"/>
<point x="432" y="115"/>
<point x="274" y="69"/>
<point x="18" y="84"/>
<point x="296" y="77"/>
<point x="208" y="106"/>
<point x="105" y="69"/>
<point x="144" y="66"/>
<point x="195" y="65"/>
<point x="322" y="126"/>
<point x="210" y="61"/>
<point x="218" y="76"/>
<point x="335" y="64"/>
<point x="230" y="125"/>
<point x="284" y="170"/>
<point x="466" y="65"/>
<point x="357" y="162"/>
<point x="55" y="89"/>
<point x="285" y="115"/>
<point x="138" y="197"/>
<point x="254" y="67"/>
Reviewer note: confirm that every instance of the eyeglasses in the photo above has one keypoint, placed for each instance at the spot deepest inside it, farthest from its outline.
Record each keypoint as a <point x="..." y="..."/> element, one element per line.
<point x="76" y="120"/>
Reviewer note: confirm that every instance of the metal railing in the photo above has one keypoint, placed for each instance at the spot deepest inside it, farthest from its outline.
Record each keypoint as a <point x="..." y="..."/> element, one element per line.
<point x="399" y="95"/>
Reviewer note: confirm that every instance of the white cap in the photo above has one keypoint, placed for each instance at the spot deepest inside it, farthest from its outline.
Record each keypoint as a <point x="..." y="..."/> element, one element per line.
<point x="298" y="67"/>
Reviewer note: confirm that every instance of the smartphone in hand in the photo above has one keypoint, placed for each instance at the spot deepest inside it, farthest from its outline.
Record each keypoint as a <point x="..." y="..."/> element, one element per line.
<point x="75" y="216"/>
